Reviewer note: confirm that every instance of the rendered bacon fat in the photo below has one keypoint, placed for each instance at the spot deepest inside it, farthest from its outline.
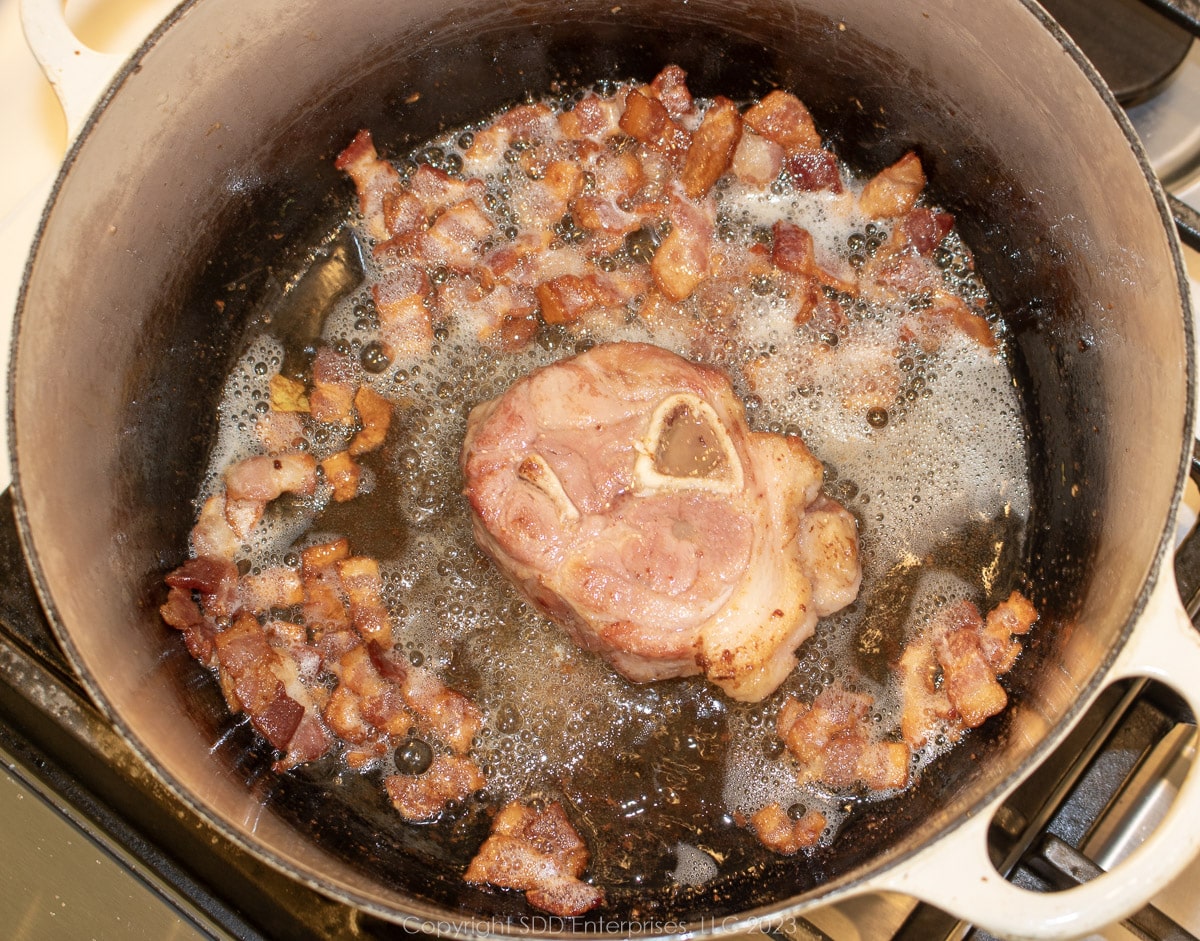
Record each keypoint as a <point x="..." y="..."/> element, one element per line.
<point x="623" y="492"/>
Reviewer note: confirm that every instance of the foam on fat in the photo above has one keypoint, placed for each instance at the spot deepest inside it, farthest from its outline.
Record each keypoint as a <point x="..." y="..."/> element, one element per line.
<point x="952" y="450"/>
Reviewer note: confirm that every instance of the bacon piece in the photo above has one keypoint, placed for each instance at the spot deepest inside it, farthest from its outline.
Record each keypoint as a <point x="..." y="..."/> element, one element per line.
<point x="265" y="477"/>
<point x="292" y="639"/>
<point x="814" y="170"/>
<point x="592" y="118"/>
<point x="374" y="178"/>
<point x="450" y="716"/>
<point x="832" y="739"/>
<point x="948" y="670"/>
<point x="454" y="238"/>
<point x="374" y="416"/>
<point x="782" y="117"/>
<point x="923" y="229"/>
<point x="894" y="190"/>
<point x="780" y="833"/>
<point x="946" y="316"/>
<point x="423" y="797"/>
<point x="405" y="321"/>
<point x="436" y="190"/>
<point x="756" y="161"/>
<point x="363" y="584"/>
<point x="215" y="580"/>
<point x="275" y="587"/>
<point x="246" y="661"/>
<point x="212" y="536"/>
<point x="712" y="148"/>
<point x="324" y="604"/>
<point x="647" y="120"/>
<point x="332" y="396"/>
<point x="682" y="261"/>
<point x="539" y="853"/>
<point x="378" y="701"/>
<point x="183" y="613"/>
<point x="670" y="87"/>
<point x="547" y="197"/>
<point x="1015" y="615"/>
<point x="343" y="475"/>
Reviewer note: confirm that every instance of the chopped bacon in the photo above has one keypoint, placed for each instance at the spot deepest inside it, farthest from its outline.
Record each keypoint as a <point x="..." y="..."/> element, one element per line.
<point x="670" y="87"/>
<point x="834" y="743"/>
<point x="814" y="170"/>
<point x="780" y="833"/>
<point x="376" y="699"/>
<point x="405" y="320"/>
<point x="948" y="671"/>
<point x="324" y="606"/>
<point x="712" y="148"/>
<point x="539" y="853"/>
<point x="363" y="584"/>
<point x="423" y="797"/>
<point x="374" y="416"/>
<point x="923" y="229"/>
<point x="265" y="477"/>
<point x="948" y="315"/>
<point x="373" y="178"/>
<point x="682" y="261"/>
<point x="757" y="161"/>
<point x="212" y="536"/>
<point x="647" y="120"/>
<point x="332" y="396"/>
<point x="894" y="190"/>
<point x="454" y="238"/>
<point x="279" y="431"/>
<point x="781" y="117"/>
<point x="593" y="118"/>
<point x="402" y="213"/>
<point x="246" y="660"/>
<point x="437" y="190"/>
<point x="548" y="196"/>
<point x="183" y="613"/>
<point x="449" y="715"/>
<point x="343" y="475"/>
<point x="215" y="580"/>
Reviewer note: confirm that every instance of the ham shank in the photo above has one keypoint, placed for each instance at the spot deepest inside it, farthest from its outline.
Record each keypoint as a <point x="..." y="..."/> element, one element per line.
<point x="624" y="493"/>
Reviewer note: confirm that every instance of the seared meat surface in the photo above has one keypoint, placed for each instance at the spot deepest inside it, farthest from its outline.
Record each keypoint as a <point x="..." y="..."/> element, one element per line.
<point x="624" y="493"/>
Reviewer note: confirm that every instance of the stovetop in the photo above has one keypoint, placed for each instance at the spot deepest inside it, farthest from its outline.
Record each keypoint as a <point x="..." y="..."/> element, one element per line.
<point x="96" y="847"/>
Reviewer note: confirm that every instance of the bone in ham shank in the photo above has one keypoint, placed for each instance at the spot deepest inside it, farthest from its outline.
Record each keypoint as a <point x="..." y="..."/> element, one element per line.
<point x="622" y="491"/>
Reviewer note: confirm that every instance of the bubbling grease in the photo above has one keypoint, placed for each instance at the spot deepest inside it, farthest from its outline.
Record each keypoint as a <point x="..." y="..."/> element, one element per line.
<point x="948" y="452"/>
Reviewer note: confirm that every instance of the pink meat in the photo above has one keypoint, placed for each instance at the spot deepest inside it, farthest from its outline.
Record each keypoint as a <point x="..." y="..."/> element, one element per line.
<point x="662" y="568"/>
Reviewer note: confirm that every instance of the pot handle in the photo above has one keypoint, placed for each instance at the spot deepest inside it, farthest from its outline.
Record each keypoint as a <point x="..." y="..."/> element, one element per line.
<point x="79" y="74"/>
<point x="956" y="875"/>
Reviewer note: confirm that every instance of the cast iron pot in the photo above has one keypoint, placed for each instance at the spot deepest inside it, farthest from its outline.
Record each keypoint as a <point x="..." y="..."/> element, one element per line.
<point x="204" y="173"/>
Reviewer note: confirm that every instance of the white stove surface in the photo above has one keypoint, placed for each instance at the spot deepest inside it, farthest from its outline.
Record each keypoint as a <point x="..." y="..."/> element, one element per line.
<point x="31" y="149"/>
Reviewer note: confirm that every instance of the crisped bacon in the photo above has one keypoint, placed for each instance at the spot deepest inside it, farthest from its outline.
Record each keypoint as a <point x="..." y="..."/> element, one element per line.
<point x="214" y="580"/>
<point x="948" y="671"/>
<point x="779" y="832"/>
<point x="781" y="117"/>
<point x="811" y="170"/>
<point x="647" y="120"/>
<point x="363" y="585"/>
<point x="332" y="396"/>
<point x="834" y="742"/>
<point x="263" y="478"/>
<point x="670" y="87"/>
<point x="343" y="475"/>
<point x="374" y="416"/>
<point x="373" y="177"/>
<point x="247" y="659"/>
<point x="540" y="853"/>
<point x="275" y="587"/>
<point x="713" y="144"/>
<point x="682" y="261"/>
<point x="593" y="117"/>
<point x="212" y="536"/>
<point x="894" y="190"/>
<point x="405" y="320"/>
<point x="182" y="612"/>
<point x="757" y="160"/>
<point x="450" y="716"/>
<point x="423" y="797"/>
